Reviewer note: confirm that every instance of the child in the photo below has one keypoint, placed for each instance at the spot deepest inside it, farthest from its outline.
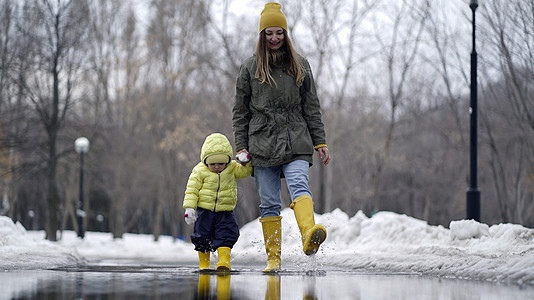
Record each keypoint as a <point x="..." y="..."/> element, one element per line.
<point x="211" y="190"/>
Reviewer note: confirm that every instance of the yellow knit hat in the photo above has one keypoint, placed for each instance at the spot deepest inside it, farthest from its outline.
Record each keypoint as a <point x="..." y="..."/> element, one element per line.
<point x="217" y="158"/>
<point x="272" y="16"/>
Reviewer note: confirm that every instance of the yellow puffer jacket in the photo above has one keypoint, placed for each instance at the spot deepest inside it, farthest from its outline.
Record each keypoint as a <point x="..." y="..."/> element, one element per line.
<point x="215" y="191"/>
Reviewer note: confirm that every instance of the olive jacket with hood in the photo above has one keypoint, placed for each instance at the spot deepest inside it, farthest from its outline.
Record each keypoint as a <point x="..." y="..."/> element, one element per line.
<point x="280" y="122"/>
<point x="215" y="191"/>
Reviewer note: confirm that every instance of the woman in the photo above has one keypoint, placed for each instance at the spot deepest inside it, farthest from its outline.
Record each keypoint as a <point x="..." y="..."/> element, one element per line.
<point x="277" y="120"/>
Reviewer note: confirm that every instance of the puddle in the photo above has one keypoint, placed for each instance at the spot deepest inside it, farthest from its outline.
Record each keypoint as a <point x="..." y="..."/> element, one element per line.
<point x="181" y="282"/>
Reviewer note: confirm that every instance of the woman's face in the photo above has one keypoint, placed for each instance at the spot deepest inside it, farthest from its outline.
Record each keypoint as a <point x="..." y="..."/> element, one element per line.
<point x="274" y="37"/>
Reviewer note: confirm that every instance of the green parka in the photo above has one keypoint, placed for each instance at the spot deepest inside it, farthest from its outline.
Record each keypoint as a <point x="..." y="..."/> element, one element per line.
<point x="210" y="190"/>
<point x="280" y="123"/>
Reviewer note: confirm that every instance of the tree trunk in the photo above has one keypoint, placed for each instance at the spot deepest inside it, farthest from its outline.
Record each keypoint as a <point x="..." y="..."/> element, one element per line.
<point x="52" y="196"/>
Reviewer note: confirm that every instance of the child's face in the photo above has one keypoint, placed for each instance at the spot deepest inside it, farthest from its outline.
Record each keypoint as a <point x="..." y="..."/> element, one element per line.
<point x="216" y="168"/>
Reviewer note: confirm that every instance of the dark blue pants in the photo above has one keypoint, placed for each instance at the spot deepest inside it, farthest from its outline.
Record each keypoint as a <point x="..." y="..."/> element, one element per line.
<point x="214" y="230"/>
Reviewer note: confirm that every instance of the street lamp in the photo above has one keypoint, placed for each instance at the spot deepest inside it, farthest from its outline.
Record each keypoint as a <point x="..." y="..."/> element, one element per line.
<point x="100" y="220"/>
<point x="81" y="145"/>
<point x="31" y="214"/>
<point x="473" y="192"/>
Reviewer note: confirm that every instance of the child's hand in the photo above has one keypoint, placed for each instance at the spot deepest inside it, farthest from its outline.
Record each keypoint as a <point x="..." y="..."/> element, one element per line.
<point x="190" y="215"/>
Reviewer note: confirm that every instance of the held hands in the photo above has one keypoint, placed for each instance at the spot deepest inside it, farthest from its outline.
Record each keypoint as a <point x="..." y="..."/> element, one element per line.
<point x="190" y="215"/>
<point x="243" y="157"/>
<point x="324" y="154"/>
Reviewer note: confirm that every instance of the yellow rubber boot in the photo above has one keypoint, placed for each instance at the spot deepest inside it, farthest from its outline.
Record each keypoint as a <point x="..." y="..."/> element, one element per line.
<point x="203" y="260"/>
<point x="203" y="288"/>
<point x="224" y="258"/>
<point x="313" y="235"/>
<point x="223" y="286"/>
<point x="272" y="234"/>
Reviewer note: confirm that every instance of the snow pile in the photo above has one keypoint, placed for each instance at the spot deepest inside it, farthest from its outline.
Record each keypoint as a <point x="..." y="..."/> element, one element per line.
<point x="387" y="242"/>
<point x="467" y="229"/>
<point x="20" y="250"/>
<point x="397" y="243"/>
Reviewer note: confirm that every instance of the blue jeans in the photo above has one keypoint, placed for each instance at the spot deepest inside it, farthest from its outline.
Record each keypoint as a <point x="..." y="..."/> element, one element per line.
<point x="269" y="185"/>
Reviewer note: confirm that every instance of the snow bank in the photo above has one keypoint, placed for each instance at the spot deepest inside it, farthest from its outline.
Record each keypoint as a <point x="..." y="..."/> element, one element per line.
<point x="20" y="250"/>
<point x="387" y="242"/>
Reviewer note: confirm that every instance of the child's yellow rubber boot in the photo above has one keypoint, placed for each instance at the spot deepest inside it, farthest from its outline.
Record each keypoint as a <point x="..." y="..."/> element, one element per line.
<point x="224" y="258"/>
<point x="203" y="260"/>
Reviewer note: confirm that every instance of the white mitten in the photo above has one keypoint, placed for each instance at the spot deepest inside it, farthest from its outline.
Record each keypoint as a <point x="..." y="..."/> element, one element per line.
<point x="190" y="215"/>
<point x="243" y="157"/>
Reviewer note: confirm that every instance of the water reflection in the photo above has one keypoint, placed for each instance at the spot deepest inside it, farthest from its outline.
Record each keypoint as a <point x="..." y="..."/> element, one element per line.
<point x="182" y="283"/>
<point x="309" y="289"/>
<point x="272" y="291"/>
<point x="273" y="287"/>
<point x="203" y="291"/>
<point x="223" y="291"/>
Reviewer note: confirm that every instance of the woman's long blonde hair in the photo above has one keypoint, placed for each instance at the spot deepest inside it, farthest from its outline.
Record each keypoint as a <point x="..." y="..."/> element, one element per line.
<point x="264" y="58"/>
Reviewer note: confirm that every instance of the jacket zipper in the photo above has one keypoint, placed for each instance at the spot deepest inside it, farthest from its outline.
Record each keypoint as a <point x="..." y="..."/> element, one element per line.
<point x="217" y="192"/>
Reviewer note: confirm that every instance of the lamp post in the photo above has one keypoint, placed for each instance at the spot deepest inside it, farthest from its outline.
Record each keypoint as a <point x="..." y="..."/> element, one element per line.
<point x="100" y="219"/>
<point x="473" y="192"/>
<point x="81" y="145"/>
<point x="31" y="214"/>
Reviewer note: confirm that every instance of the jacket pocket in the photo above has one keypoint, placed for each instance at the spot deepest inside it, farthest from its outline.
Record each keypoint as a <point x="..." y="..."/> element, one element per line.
<point x="262" y="140"/>
<point x="301" y="141"/>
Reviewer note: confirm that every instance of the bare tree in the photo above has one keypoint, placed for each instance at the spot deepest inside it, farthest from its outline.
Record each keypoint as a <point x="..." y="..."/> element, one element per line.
<point x="176" y="31"/>
<point x="393" y="98"/>
<point x="399" y="51"/>
<point x="55" y="31"/>
<point x="7" y="149"/>
<point x="447" y="75"/>
<point x="508" y="118"/>
<point x="446" y="60"/>
<point x="7" y="17"/>
<point x="348" y="57"/>
<point x="322" y="16"/>
<point x="114" y="61"/>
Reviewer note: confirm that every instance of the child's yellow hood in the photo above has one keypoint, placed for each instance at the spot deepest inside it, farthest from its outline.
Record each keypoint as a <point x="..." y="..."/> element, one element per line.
<point x="216" y="143"/>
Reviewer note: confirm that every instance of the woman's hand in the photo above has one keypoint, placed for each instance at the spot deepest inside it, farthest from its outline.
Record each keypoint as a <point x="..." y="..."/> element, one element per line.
<point x="324" y="154"/>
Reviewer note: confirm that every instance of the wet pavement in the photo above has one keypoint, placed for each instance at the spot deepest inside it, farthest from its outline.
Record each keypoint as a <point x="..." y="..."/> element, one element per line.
<point x="173" y="281"/>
